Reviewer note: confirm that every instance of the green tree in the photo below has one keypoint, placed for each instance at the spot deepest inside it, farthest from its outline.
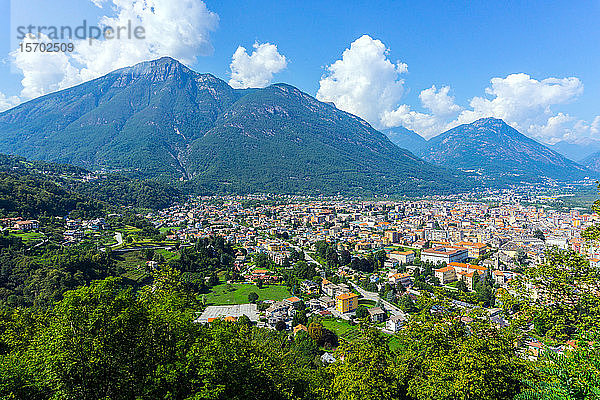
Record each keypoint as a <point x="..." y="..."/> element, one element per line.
<point x="573" y="375"/>
<point x="362" y="312"/>
<point x="252" y="297"/>
<point x="366" y="371"/>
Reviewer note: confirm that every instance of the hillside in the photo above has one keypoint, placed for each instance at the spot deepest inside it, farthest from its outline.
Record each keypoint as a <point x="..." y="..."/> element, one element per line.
<point x="163" y="120"/>
<point x="491" y="148"/>
<point x="406" y="139"/>
<point x="592" y="162"/>
<point x="577" y="150"/>
<point x="30" y="188"/>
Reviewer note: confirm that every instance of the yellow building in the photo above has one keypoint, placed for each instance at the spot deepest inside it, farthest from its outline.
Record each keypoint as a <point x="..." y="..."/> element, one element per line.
<point x="346" y="302"/>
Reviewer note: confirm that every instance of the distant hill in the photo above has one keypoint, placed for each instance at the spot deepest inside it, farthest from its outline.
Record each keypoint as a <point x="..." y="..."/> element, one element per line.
<point x="406" y="139"/>
<point x="163" y="120"/>
<point x="577" y="151"/>
<point x="29" y="188"/>
<point x="592" y="162"/>
<point x="491" y="148"/>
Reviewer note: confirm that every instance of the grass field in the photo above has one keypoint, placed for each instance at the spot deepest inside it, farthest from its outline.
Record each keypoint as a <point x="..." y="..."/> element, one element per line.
<point x="169" y="228"/>
<point x="29" y="237"/>
<point x="220" y="295"/>
<point x="351" y="333"/>
<point x="168" y="255"/>
<point x="134" y="266"/>
<point x="367" y="303"/>
<point x="342" y="328"/>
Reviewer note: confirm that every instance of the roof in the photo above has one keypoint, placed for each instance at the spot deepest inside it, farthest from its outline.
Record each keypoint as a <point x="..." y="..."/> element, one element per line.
<point x="444" y="269"/>
<point x="375" y="310"/>
<point x="293" y="299"/>
<point x="300" y="327"/>
<point x="467" y="266"/>
<point x="403" y="253"/>
<point x="345" y="296"/>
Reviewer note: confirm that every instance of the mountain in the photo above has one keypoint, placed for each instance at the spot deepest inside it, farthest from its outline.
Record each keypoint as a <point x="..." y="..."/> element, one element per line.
<point x="577" y="151"/>
<point x="161" y="119"/>
<point x="406" y="139"/>
<point x="493" y="149"/>
<point x="592" y="162"/>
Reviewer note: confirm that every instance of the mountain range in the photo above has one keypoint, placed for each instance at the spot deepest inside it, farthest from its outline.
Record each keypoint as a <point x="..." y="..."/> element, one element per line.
<point x="577" y="150"/>
<point x="592" y="162"/>
<point x="159" y="119"/>
<point x="492" y="149"/>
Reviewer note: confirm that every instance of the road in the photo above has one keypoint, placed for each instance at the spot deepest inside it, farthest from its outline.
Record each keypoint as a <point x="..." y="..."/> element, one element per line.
<point x="394" y="310"/>
<point x="307" y="256"/>
<point x="119" y="239"/>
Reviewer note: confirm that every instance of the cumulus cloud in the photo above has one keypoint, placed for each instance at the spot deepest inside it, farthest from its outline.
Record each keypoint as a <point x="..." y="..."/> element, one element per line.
<point x="524" y="102"/>
<point x="595" y="127"/>
<point x="364" y="81"/>
<point x="7" y="102"/>
<point x="43" y="72"/>
<point x="177" y="29"/>
<point x="440" y="104"/>
<point x="256" y="69"/>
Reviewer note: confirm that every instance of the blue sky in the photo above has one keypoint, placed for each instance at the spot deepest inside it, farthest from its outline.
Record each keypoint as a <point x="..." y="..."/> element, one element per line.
<point x="458" y="44"/>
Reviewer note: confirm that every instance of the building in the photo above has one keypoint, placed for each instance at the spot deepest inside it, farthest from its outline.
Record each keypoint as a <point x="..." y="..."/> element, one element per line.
<point x="403" y="257"/>
<point x="229" y="313"/>
<point x="393" y="236"/>
<point x="403" y="278"/>
<point x="309" y="287"/>
<point x="279" y="310"/>
<point x="25" y="226"/>
<point x="327" y="358"/>
<point x="446" y="254"/>
<point x="395" y="323"/>
<point x="299" y="328"/>
<point x="346" y="302"/>
<point x="327" y="302"/>
<point x="292" y="301"/>
<point x="476" y="249"/>
<point x="376" y="314"/>
<point x="468" y="273"/>
<point x="445" y="275"/>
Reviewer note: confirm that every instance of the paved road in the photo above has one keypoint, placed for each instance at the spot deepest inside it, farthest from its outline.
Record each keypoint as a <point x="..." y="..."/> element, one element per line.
<point x="119" y="239"/>
<point x="394" y="310"/>
<point x="307" y="256"/>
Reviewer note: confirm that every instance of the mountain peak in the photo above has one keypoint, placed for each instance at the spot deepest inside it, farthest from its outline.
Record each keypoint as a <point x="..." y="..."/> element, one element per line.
<point x="489" y="122"/>
<point x="156" y="70"/>
<point x="493" y="148"/>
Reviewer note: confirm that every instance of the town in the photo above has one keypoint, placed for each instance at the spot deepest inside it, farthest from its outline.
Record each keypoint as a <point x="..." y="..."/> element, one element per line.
<point x="337" y="262"/>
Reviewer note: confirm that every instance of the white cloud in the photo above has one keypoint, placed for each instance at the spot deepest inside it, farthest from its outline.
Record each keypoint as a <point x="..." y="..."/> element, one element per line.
<point x="43" y="72"/>
<point x="177" y="29"/>
<point x="522" y="101"/>
<point x="595" y="127"/>
<point x="364" y="81"/>
<point x="256" y="69"/>
<point x="440" y="104"/>
<point x="7" y="102"/>
<point x="556" y="127"/>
